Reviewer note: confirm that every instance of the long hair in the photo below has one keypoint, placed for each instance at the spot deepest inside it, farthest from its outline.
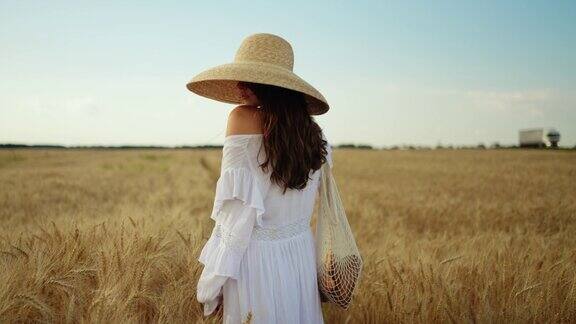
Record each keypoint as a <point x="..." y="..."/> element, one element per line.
<point x="292" y="139"/>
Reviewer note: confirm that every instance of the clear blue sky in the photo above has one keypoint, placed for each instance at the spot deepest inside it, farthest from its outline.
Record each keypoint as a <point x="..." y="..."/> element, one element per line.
<point x="394" y="72"/>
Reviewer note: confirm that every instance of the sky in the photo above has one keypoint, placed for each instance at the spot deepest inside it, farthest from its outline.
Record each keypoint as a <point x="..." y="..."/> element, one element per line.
<point x="393" y="72"/>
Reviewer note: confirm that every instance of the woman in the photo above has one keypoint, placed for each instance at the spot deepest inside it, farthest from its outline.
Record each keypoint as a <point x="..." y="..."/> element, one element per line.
<point x="259" y="262"/>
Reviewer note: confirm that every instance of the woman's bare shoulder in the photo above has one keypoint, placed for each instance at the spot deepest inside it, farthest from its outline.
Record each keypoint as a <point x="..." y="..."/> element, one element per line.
<point x="244" y="119"/>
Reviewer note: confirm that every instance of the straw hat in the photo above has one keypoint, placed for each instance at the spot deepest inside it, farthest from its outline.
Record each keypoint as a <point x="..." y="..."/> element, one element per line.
<point x="262" y="58"/>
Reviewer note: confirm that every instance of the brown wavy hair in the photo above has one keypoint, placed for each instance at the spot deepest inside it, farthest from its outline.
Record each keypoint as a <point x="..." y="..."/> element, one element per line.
<point x="292" y="139"/>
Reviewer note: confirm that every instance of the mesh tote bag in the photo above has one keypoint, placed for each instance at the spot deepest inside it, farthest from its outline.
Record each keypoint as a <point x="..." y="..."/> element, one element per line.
<point x="338" y="260"/>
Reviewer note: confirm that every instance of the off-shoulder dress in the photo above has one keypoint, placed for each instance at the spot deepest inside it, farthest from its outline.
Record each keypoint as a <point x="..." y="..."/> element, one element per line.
<point x="260" y="256"/>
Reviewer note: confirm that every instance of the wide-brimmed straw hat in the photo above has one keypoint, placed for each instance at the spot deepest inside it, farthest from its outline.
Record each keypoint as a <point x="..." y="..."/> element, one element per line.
<point x="262" y="58"/>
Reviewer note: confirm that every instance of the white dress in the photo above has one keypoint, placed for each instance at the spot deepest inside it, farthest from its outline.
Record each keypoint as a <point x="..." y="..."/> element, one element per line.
<point x="261" y="255"/>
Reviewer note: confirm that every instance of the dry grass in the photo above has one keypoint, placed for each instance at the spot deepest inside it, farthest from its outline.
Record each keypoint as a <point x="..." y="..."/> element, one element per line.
<point x="447" y="236"/>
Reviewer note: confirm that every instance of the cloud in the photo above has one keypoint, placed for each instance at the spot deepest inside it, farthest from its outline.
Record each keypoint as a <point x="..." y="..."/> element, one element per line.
<point x="80" y="104"/>
<point x="529" y="102"/>
<point x="532" y="102"/>
<point x="60" y="106"/>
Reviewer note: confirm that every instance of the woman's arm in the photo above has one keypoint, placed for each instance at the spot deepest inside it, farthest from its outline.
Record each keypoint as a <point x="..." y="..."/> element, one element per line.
<point x="238" y="203"/>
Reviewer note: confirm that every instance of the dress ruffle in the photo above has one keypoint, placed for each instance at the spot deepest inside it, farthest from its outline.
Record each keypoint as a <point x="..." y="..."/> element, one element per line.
<point x="238" y="183"/>
<point x="221" y="259"/>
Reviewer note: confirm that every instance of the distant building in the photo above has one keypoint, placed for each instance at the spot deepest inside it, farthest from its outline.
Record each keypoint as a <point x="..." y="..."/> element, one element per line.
<point x="539" y="137"/>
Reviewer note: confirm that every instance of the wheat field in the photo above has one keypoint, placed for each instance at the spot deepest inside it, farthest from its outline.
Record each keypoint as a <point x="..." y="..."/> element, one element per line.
<point x="464" y="236"/>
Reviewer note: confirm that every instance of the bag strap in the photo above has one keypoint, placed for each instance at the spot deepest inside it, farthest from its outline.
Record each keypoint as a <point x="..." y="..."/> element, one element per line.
<point x="328" y="188"/>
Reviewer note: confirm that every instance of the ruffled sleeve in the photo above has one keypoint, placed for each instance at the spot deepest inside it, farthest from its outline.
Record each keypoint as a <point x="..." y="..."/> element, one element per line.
<point x="238" y="206"/>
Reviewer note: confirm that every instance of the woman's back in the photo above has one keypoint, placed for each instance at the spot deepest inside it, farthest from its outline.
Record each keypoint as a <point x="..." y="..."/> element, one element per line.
<point x="243" y="146"/>
<point x="280" y="208"/>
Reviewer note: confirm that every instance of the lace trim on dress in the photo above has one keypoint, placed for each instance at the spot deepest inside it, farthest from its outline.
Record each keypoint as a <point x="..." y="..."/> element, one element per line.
<point x="220" y="258"/>
<point x="222" y="253"/>
<point x="231" y="239"/>
<point x="267" y="233"/>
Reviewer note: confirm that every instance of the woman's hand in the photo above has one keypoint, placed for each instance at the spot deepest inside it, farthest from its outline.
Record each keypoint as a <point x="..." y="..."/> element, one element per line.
<point x="220" y="305"/>
<point x="218" y="302"/>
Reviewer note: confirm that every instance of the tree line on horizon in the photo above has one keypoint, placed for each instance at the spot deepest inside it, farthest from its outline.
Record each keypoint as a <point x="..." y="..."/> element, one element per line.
<point x="495" y="145"/>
